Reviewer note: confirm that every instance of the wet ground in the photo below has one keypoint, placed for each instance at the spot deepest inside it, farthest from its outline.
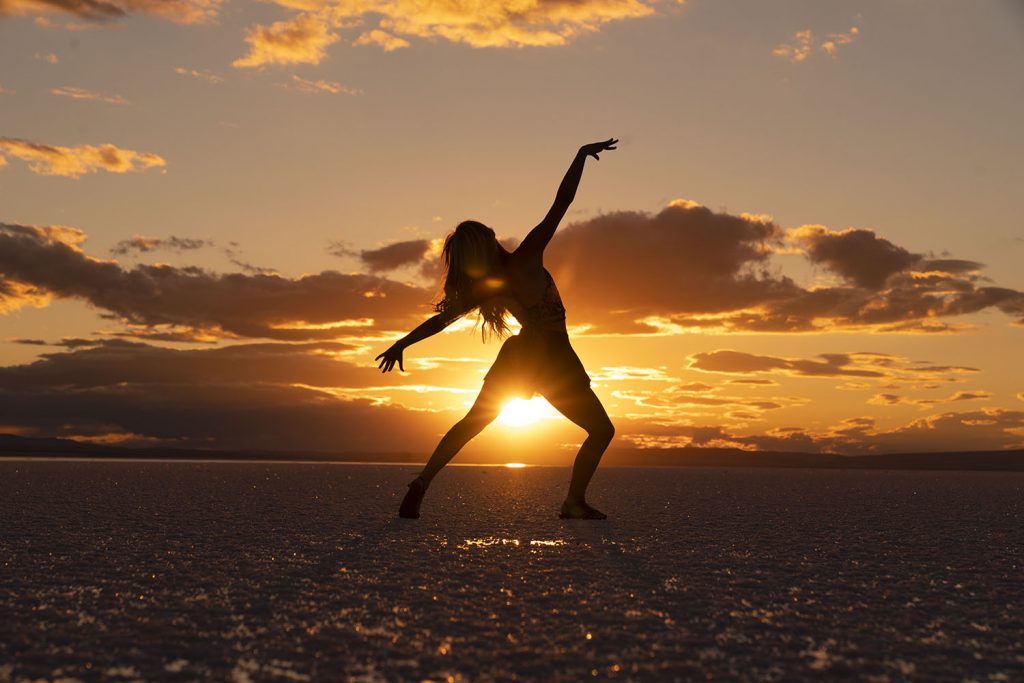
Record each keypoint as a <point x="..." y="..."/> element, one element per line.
<point x="295" y="572"/>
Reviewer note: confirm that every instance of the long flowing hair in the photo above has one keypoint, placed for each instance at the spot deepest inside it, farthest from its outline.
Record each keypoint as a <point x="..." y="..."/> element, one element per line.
<point x="470" y="256"/>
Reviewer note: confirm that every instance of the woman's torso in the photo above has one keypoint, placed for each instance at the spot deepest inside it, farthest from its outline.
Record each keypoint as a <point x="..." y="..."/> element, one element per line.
<point x="529" y="293"/>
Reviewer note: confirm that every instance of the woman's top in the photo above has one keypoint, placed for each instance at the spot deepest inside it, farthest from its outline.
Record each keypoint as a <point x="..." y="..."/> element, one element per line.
<point x="549" y="312"/>
<point x="546" y="315"/>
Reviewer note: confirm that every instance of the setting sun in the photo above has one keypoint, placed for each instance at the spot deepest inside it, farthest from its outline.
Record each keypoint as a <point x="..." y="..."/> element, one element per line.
<point x="520" y="413"/>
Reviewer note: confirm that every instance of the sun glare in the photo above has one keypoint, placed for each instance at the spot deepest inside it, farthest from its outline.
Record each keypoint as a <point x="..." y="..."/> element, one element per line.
<point x="520" y="413"/>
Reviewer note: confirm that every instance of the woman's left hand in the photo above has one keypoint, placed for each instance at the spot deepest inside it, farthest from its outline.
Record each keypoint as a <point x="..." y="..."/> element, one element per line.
<point x="390" y="357"/>
<point x="595" y="147"/>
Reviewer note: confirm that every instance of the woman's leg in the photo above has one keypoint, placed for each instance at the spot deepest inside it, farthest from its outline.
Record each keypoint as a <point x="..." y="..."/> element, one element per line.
<point x="483" y="412"/>
<point x="584" y="408"/>
<point x="486" y="407"/>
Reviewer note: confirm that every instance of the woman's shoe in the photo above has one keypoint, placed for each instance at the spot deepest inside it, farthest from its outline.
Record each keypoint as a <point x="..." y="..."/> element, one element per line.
<point x="410" y="508"/>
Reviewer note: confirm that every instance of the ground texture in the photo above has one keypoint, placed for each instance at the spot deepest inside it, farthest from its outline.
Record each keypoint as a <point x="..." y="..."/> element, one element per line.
<point x="295" y="572"/>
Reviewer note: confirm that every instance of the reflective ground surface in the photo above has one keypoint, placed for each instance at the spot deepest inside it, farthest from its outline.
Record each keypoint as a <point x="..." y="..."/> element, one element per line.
<point x="295" y="572"/>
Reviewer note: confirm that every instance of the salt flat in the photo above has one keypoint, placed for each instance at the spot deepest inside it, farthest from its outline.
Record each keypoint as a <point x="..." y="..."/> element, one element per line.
<point x="254" y="571"/>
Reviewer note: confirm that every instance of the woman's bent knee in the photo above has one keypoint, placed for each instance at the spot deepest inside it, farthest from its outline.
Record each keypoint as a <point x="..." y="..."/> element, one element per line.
<point x="604" y="431"/>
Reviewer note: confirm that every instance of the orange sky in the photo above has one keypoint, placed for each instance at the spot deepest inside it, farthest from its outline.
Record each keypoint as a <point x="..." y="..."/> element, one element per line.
<point x="216" y="213"/>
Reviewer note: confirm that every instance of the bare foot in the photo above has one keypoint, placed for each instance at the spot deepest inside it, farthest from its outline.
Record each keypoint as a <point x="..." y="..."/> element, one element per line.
<point x="410" y="508"/>
<point x="580" y="510"/>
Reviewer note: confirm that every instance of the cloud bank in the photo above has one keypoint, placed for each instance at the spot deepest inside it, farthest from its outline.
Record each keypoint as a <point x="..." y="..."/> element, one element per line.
<point x="48" y="262"/>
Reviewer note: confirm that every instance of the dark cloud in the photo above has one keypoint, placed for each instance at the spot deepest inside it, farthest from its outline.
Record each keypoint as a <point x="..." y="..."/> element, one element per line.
<point x="394" y="255"/>
<point x="146" y="244"/>
<point x="691" y="268"/>
<point x="181" y="11"/>
<point x="988" y="429"/>
<point x="738" y="362"/>
<point x="860" y="256"/>
<point x="116" y="362"/>
<point x="316" y="306"/>
<point x="621" y="267"/>
<point x="232" y="416"/>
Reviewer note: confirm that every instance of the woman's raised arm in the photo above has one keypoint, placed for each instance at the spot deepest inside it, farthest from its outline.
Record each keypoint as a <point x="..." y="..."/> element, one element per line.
<point x="539" y="237"/>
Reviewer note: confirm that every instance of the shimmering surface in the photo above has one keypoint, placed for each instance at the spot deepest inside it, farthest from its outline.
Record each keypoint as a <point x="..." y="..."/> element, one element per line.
<point x="180" y="571"/>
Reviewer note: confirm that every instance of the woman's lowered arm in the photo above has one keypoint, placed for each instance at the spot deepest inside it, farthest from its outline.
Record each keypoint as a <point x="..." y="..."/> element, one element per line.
<point x="427" y="328"/>
<point x="539" y="237"/>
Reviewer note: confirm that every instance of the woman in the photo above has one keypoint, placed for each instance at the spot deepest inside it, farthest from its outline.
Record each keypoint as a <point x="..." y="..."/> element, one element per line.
<point x="480" y="273"/>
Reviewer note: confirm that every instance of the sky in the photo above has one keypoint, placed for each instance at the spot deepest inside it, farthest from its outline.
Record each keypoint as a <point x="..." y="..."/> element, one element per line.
<point x="215" y="213"/>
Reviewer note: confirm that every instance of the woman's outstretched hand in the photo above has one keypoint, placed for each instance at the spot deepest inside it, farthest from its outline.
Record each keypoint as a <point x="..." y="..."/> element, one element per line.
<point x="390" y="357"/>
<point x="594" y="148"/>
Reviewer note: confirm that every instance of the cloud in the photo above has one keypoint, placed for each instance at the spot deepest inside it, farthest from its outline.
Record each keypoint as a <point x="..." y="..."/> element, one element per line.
<point x="5" y="91"/>
<point x="263" y="396"/>
<point x="684" y="259"/>
<point x="393" y="256"/>
<point x="831" y="45"/>
<point x="802" y="44"/>
<point x="987" y="429"/>
<point x="83" y="94"/>
<point x="304" y="37"/>
<point x="48" y="57"/>
<point x="321" y="86"/>
<point x="207" y="76"/>
<point x="798" y="49"/>
<point x="73" y="162"/>
<point x="317" y="306"/>
<point x="688" y="268"/>
<point x="99" y="363"/>
<point x="502" y="23"/>
<point x="737" y="362"/>
<point x="180" y="11"/>
<point x="860" y="256"/>
<point x="300" y="40"/>
<point x="682" y="269"/>
<point x="259" y="417"/>
<point x="389" y="42"/>
<point x="898" y="399"/>
<point x="146" y="244"/>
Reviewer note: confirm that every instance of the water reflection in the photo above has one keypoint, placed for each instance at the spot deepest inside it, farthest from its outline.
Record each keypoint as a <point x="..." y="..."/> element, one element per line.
<point x="490" y="541"/>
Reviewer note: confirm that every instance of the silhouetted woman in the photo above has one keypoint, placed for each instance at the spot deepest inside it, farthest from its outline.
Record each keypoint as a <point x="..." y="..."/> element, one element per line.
<point x="480" y="273"/>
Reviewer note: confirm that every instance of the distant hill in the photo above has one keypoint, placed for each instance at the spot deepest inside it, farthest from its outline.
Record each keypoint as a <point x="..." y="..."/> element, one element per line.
<point x="12" y="445"/>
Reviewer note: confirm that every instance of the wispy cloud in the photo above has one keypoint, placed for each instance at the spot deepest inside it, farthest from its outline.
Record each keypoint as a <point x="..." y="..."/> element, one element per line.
<point x="320" y="86"/>
<point x="802" y="44"/>
<point x="389" y="42"/>
<point x="831" y="45"/>
<point x="207" y="76"/>
<point x="83" y="94"/>
<point x="143" y="244"/>
<point x="798" y="49"/>
<point x="73" y="162"/>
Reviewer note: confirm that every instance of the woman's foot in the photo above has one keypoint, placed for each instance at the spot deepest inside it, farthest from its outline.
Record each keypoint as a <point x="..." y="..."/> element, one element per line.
<point x="580" y="510"/>
<point x="410" y="508"/>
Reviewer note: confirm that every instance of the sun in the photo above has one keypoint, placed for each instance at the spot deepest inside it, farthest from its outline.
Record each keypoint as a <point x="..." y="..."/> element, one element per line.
<point x="520" y="413"/>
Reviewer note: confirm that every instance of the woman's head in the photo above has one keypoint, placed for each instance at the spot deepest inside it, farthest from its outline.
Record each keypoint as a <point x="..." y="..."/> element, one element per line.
<point x="471" y="252"/>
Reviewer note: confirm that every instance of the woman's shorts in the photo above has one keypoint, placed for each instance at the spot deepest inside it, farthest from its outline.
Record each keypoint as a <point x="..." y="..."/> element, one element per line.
<point x="537" y="361"/>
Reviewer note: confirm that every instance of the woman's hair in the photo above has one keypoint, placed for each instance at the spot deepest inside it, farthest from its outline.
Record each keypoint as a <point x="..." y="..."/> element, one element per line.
<point x="470" y="254"/>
